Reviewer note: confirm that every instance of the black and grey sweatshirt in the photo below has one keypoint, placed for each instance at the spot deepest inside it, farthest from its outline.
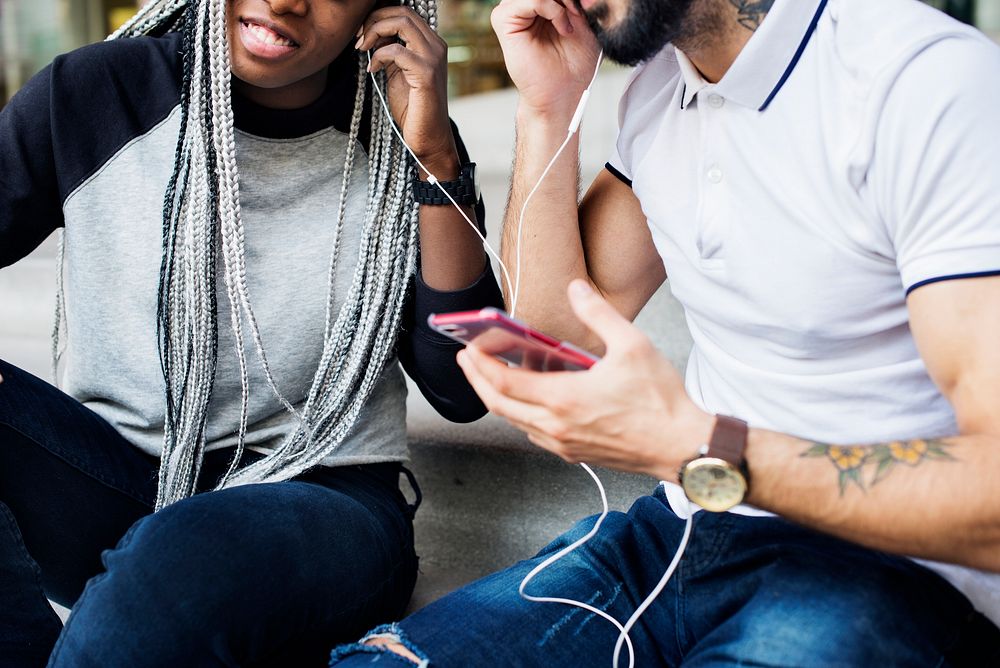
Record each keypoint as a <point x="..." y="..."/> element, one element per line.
<point x="88" y="145"/>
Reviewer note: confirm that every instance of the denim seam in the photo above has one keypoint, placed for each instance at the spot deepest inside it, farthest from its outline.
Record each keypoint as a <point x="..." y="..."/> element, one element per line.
<point x="960" y="634"/>
<point x="62" y="636"/>
<point x="22" y="549"/>
<point x="681" y="633"/>
<point x="97" y="579"/>
<point x="55" y="452"/>
<point x="721" y="536"/>
<point x="377" y="588"/>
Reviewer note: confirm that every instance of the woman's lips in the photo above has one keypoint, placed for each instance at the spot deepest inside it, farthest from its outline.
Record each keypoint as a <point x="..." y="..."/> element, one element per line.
<point x="264" y="42"/>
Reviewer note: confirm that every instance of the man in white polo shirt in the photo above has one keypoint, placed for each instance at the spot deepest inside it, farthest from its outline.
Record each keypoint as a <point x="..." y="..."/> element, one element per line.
<point x="821" y="181"/>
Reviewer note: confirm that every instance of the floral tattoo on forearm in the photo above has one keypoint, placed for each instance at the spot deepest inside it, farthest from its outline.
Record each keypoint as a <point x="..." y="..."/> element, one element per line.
<point x="751" y="12"/>
<point x="866" y="466"/>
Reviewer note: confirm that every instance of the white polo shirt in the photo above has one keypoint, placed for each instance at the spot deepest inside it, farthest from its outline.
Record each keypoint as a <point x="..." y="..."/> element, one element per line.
<point x="850" y="155"/>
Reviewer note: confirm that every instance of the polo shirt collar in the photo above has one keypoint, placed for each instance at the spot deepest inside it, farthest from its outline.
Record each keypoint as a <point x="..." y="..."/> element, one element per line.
<point x="767" y="60"/>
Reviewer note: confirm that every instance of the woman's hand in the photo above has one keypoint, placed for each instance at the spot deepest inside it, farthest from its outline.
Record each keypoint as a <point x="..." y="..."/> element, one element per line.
<point x="415" y="60"/>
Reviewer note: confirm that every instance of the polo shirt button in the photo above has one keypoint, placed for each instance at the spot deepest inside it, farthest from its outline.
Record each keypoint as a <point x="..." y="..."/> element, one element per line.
<point x="716" y="101"/>
<point x="715" y="174"/>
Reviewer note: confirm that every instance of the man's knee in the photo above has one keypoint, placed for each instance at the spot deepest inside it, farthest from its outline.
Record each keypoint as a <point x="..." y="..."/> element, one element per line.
<point x="819" y="614"/>
<point x="386" y="643"/>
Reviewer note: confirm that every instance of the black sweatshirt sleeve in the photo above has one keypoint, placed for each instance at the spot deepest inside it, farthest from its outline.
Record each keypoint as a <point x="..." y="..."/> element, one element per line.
<point x="69" y="120"/>
<point x="30" y="206"/>
<point x="429" y="357"/>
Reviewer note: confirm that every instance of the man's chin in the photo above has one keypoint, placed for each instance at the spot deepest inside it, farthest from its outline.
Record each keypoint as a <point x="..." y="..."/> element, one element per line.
<point x="627" y="54"/>
<point x="619" y="44"/>
<point x="646" y="27"/>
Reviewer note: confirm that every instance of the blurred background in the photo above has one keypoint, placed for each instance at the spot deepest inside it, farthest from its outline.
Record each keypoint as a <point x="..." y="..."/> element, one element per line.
<point x="32" y="32"/>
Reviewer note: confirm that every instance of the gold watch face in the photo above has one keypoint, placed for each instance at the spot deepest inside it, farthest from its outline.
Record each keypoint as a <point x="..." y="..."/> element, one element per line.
<point x="714" y="484"/>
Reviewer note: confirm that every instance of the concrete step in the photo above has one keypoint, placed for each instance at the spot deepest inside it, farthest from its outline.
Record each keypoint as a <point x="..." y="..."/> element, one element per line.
<point x="486" y="508"/>
<point x="31" y="353"/>
<point x="27" y="296"/>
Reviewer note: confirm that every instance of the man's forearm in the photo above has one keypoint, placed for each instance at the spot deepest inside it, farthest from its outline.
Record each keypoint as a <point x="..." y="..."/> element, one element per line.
<point x="551" y="250"/>
<point x="934" y="499"/>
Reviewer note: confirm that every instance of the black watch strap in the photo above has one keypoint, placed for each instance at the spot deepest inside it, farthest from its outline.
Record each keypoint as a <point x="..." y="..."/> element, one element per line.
<point x="463" y="190"/>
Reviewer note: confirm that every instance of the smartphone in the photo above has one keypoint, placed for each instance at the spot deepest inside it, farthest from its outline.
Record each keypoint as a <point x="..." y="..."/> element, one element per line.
<point x="510" y="340"/>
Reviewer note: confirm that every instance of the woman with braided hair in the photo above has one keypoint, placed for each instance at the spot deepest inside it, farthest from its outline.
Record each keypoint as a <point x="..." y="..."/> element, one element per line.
<point x="247" y="251"/>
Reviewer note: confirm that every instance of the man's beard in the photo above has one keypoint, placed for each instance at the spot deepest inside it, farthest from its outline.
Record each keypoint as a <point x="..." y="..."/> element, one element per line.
<point x="645" y="30"/>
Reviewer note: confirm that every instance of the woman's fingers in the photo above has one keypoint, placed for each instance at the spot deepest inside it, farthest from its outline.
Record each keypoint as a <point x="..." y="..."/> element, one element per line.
<point x="398" y="36"/>
<point x="400" y="23"/>
<point x="415" y="59"/>
<point x="394" y="54"/>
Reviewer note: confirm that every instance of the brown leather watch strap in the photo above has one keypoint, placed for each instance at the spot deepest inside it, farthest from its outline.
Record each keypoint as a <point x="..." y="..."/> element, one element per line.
<point x="729" y="440"/>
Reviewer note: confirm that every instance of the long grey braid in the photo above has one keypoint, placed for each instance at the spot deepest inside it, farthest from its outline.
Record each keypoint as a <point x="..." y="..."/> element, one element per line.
<point x="202" y="220"/>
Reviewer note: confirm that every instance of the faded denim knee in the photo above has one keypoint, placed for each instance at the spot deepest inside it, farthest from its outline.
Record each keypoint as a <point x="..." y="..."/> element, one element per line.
<point x="376" y="648"/>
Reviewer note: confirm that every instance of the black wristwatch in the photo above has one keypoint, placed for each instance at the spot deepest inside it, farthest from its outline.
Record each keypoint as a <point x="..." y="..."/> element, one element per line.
<point x="464" y="190"/>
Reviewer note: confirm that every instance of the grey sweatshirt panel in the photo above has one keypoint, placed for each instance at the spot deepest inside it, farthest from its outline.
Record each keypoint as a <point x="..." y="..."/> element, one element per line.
<point x="289" y="191"/>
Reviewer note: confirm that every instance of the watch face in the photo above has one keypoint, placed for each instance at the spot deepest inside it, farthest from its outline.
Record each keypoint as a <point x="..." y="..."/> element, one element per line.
<point x="714" y="484"/>
<point x="475" y="180"/>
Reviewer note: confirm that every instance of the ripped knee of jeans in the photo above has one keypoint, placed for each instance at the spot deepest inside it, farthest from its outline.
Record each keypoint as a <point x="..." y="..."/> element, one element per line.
<point x="387" y="639"/>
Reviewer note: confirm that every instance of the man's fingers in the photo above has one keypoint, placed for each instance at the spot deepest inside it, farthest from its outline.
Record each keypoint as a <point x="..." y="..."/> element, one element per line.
<point x="550" y="444"/>
<point x="532" y="387"/>
<point x="496" y="401"/>
<point x="512" y="16"/>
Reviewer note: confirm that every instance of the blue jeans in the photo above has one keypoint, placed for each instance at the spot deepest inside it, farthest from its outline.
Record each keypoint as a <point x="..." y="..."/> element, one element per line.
<point x="261" y="575"/>
<point x="749" y="591"/>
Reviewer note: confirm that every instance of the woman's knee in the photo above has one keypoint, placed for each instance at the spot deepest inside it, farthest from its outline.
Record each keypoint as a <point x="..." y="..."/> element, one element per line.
<point x="268" y="542"/>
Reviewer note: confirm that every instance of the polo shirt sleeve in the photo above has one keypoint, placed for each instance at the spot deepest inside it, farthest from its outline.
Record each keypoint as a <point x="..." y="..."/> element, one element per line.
<point x="629" y="123"/>
<point x="935" y="172"/>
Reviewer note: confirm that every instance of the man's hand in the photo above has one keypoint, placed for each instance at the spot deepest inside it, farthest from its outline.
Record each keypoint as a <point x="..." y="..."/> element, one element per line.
<point x="415" y="60"/>
<point x="628" y="412"/>
<point x="549" y="51"/>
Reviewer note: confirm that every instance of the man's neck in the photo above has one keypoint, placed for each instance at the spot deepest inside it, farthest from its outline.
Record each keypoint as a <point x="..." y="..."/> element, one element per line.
<point x="722" y="29"/>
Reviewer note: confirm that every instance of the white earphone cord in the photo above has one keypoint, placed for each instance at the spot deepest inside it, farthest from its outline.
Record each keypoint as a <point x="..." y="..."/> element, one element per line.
<point x="513" y="289"/>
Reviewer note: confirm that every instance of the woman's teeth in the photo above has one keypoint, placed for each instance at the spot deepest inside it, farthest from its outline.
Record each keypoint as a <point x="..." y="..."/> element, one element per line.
<point x="268" y="36"/>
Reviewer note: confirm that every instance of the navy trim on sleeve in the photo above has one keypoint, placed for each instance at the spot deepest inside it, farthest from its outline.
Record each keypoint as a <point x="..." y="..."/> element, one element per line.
<point x="797" y="56"/>
<point x="617" y="174"/>
<point x="953" y="277"/>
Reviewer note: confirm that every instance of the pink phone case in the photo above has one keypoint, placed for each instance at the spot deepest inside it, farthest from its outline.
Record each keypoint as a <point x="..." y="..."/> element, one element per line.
<point x="496" y="333"/>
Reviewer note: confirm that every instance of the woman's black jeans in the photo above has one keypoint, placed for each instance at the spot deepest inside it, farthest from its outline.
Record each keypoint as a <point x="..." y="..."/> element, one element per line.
<point x="259" y="575"/>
